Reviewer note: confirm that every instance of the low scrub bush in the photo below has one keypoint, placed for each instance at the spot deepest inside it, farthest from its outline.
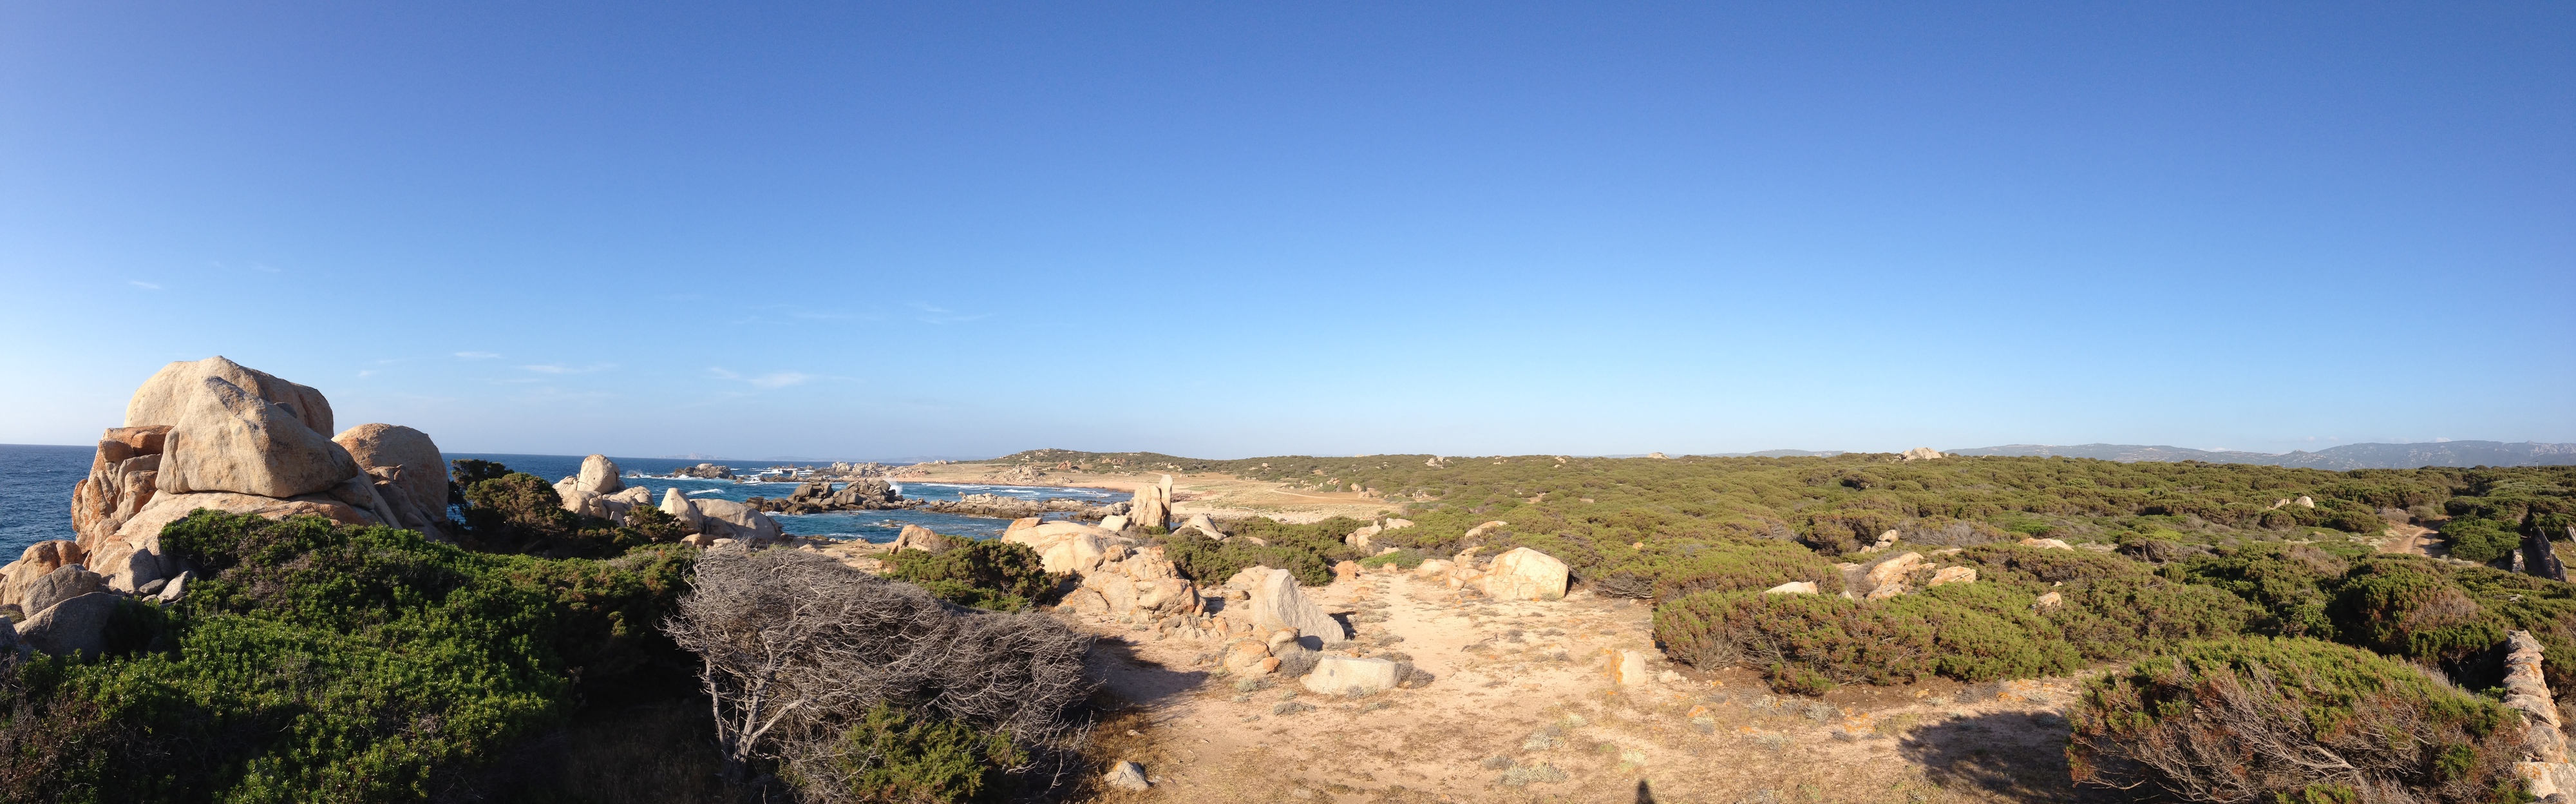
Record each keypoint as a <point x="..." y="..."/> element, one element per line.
<point x="2108" y="607"/>
<point x="1737" y="566"/>
<point x="2292" y="720"/>
<point x="1211" y="562"/>
<point x="1406" y="558"/>
<point x="860" y="688"/>
<point x="992" y="574"/>
<point x="2481" y="540"/>
<point x="312" y="662"/>
<point x="519" y="512"/>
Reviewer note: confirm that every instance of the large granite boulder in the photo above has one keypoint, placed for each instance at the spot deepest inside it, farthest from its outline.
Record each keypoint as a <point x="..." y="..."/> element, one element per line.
<point x="75" y="625"/>
<point x="1276" y="604"/>
<point x="599" y="476"/>
<point x="164" y="398"/>
<point x="1525" y="574"/>
<point x="228" y="439"/>
<point x="916" y="537"/>
<point x="37" y="561"/>
<point x="680" y="507"/>
<point x="726" y="519"/>
<point x="406" y="468"/>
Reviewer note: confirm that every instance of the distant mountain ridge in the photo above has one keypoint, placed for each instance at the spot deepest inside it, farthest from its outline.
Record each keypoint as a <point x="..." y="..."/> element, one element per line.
<point x="2348" y="456"/>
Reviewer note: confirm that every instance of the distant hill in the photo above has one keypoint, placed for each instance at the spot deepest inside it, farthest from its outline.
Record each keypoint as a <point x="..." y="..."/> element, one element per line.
<point x="2348" y="456"/>
<point x="1780" y="453"/>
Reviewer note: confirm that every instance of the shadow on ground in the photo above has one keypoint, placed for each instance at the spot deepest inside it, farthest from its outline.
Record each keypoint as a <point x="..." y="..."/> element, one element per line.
<point x="2016" y="756"/>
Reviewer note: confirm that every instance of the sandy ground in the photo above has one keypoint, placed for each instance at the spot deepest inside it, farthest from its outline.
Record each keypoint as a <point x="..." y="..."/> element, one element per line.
<point x="1217" y="495"/>
<point x="1524" y="708"/>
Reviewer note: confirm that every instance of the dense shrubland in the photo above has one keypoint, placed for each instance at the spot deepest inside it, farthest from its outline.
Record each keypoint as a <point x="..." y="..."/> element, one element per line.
<point x="314" y="662"/>
<point x="2262" y="631"/>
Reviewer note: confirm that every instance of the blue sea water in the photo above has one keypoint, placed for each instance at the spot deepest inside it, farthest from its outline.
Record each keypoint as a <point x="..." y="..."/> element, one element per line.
<point x="36" y="495"/>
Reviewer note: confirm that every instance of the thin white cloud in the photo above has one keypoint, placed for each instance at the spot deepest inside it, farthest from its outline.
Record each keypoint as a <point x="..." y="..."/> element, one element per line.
<point x="780" y="379"/>
<point x="940" y="315"/>
<point x="557" y="368"/>
<point x="365" y="373"/>
<point x="477" y="355"/>
<point x="143" y="285"/>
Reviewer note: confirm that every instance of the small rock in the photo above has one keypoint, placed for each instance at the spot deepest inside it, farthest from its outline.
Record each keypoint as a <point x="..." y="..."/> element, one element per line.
<point x="2049" y="600"/>
<point x="1632" y="668"/>
<point x="1526" y="574"/>
<point x="2047" y="544"/>
<point x="1792" y="588"/>
<point x="1949" y="575"/>
<point x="1338" y="675"/>
<point x="1127" y="776"/>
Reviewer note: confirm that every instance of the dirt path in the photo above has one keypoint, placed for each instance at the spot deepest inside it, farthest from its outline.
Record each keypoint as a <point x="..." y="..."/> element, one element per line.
<point x="1524" y="708"/>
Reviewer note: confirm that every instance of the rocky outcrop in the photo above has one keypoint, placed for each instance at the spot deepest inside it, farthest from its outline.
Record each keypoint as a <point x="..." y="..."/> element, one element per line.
<point x="1950" y="575"/>
<point x="2545" y="769"/>
<point x="1205" y="525"/>
<point x="726" y="519"/>
<point x="1525" y="574"/>
<point x="1479" y="531"/>
<point x="212" y="434"/>
<point x="1922" y="454"/>
<point x="1152" y="505"/>
<point x="599" y="475"/>
<point x="1793" y="588"/>
<point x="123" y="476"/>
<point x="1112" y="574"/>
<point x="820" y="496"/>
<point x="705" y="471"/>
<point x="2047" y="544"/>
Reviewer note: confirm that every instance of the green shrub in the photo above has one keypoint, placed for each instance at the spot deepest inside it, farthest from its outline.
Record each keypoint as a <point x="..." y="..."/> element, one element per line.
<point x="1810" y="643"/>
<point x="992" y="574"/>
<point x="1211" y="562"/>
<point x="521" y="513"/>
<point x="1406" y="558"/>
<point x="2288" y="582"/>
<point x="898" y="756"/>
<point x="2246" y="719"/>
<point x="1736" y="566"/>
<point x="2409" y="607"/>
<point x="314" y="662"/>
<point x="2480" y="540"/>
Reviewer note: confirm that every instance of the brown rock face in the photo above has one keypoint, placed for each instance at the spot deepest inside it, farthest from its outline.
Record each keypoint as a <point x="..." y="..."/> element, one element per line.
<point x="228" y="439"/>
<point x="164" y="398"/>
<point x="406" y="467"/>
<point x="122" y="478"/>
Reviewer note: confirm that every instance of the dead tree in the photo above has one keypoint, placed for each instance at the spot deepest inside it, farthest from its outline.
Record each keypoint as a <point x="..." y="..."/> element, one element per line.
<point x="795" y="646"/>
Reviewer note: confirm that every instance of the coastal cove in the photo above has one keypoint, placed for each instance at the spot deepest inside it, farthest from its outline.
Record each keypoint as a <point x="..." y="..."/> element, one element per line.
<point x="36" y="492"/>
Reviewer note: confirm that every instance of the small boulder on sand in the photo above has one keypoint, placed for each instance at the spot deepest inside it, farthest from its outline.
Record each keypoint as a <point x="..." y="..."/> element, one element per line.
<point x="1526" y="574"/>
<point x="1342" y="675"/>
<point x="1127" y="776"/>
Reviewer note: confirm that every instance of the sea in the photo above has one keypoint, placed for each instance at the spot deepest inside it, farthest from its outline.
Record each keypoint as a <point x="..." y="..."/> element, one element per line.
<point x="36" y="495"/>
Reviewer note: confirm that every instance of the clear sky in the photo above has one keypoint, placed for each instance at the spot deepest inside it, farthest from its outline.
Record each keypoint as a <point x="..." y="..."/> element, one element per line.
<point x="855" y="230"/>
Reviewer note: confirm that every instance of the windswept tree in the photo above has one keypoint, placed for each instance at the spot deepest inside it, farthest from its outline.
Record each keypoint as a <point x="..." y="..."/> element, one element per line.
<point x="861" y="688"/>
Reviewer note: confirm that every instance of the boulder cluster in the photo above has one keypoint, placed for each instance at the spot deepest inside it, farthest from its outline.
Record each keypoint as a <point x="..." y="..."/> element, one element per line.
<point x="211" y="434"/>
<point x="705" y="471"/>
<point x="821" y="496"/>
<point x="1518" y="574"/>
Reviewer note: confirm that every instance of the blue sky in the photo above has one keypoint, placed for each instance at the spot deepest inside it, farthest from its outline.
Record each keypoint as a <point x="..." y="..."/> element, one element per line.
<point x="865" y="230"/>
